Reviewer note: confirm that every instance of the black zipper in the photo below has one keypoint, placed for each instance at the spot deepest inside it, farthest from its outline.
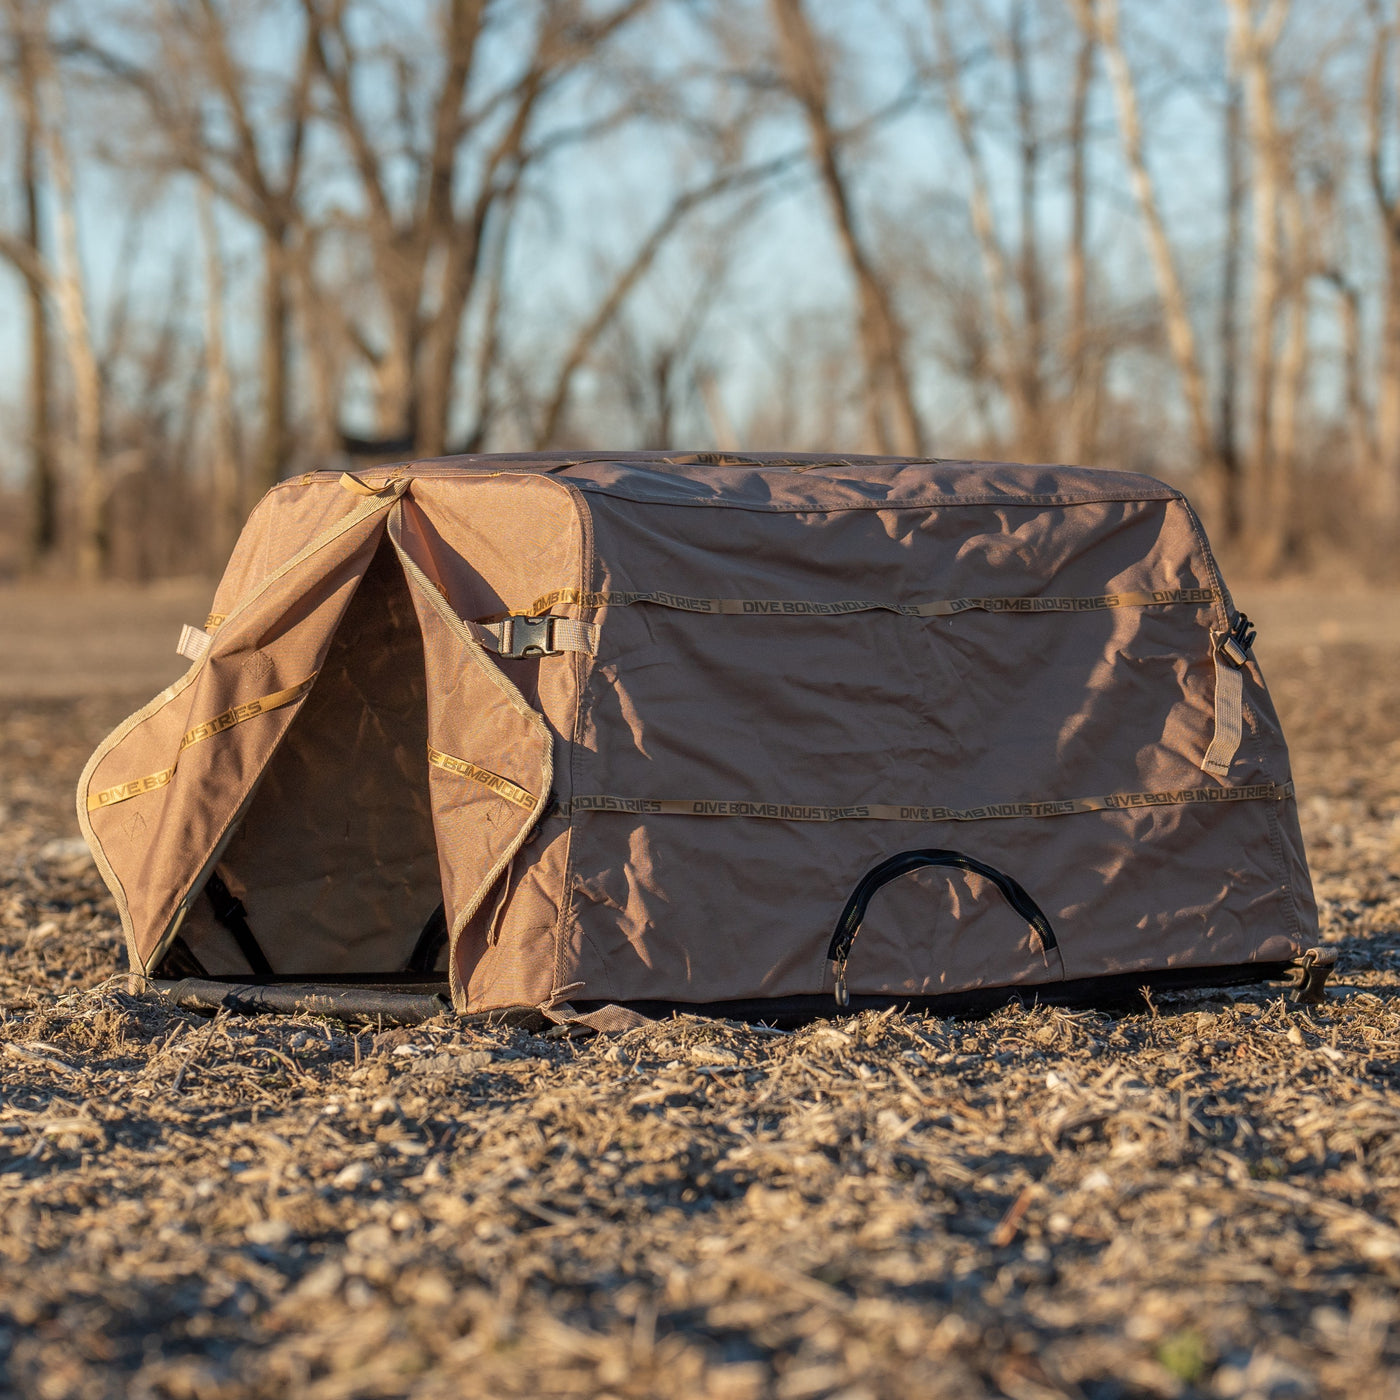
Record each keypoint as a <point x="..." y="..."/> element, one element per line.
<point x="848" y="925"/>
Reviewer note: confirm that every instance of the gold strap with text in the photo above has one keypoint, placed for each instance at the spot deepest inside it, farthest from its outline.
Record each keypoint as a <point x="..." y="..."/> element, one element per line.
<point x="237" y="715"/>
<point x="502" y="787"/>
<point x="886" y="812"/>
<point x="940" y="607"/>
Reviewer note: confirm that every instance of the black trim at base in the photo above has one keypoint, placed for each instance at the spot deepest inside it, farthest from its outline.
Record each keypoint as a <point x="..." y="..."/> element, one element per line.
<point x="407" y="999"/>
<point x="1114" y="990"/>
<point x="329" y="980"/>
<point x="400" y="1002"/>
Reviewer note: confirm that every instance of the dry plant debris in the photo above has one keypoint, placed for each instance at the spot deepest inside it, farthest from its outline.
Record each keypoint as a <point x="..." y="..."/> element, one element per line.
<point x="1198" y="1196"/>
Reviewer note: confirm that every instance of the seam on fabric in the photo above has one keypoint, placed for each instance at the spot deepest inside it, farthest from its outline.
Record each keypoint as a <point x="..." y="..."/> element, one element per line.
<point x="209" y="729"/>
<point x="154" y="706"/>
<point x="919" y="503"/>
<point x="708" y="808"/>
<point x="1013" y="605"/>
<point x="104" y="866"/>
<point x="1224" y="602"/>
<point x="1223" y="606"/>
<point x="240" y="811"/>
<point x="361" y="510"/>
<point x="1290" y="903"/>
<point x="588" y="576"/>
<point x="221" y="845"/>
<point x="511" y="693"/>
<point x="426" y="472"/>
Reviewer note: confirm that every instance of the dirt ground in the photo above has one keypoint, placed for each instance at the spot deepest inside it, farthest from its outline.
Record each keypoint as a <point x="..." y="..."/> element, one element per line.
<point x="1198" y="1196"/>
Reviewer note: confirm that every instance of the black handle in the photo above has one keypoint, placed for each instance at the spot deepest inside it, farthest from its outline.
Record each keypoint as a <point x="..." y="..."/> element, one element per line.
<point x="848" y="925"/>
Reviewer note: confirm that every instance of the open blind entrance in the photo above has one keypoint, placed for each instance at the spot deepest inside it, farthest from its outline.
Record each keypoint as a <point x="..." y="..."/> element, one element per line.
<point x="335" y="861"/>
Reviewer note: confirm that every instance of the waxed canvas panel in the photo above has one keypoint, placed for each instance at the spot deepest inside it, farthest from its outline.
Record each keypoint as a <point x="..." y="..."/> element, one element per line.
<point x="478" y="721"/>
<point x="155" y="844"/>
<point x="508" y="953"/>
<point x="492" y="544"/>
<point x="875" y="707"/>
<point x="280" y="525"/>
<point x="853" y="483"/>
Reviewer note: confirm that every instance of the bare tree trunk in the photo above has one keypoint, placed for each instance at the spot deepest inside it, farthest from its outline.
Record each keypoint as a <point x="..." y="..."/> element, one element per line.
<point x="725" y="437"/>
<point x="489" y="349"/>
<point x="889" y="392"/>
<point x="218" y="388"/>
<point x="1360" y="438"/>
<point x="1006" y="354"/>
<point x="1252" y="43"/>
<point x="43" y="469"/>
<point x="1083" y="390"/>
<point x="69" y="293"/>
<point x="1101" y="17"/>
<point x="1035" y="431"/>
<point x="1281" y="535"/>
<point x="274" y="448"/>
<point x="1385" y="493"/>
<point x="322" y="339"/>
<point x="1227" y="441"/>
<point x="1384" y="502"/>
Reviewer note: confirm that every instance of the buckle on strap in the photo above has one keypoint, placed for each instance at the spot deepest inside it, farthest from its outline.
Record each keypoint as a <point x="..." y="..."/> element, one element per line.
<point x="1236" y="643"/>
<point x="527" y="636"/>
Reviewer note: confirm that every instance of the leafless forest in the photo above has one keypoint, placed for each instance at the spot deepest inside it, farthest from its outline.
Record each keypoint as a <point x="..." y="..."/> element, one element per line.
<point x="245" y="237"/>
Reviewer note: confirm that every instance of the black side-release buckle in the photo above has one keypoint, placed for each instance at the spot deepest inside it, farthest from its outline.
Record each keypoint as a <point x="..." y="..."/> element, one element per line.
<point x="1238" y="640"/>
<point x="527" y="636"/>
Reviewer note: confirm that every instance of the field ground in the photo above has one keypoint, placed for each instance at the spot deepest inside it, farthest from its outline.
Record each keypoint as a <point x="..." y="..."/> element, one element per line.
<point x="1198" y="1197"/>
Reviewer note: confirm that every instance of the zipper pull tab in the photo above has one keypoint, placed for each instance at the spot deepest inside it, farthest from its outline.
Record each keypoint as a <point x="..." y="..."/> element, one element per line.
<point x="838" y="966"/>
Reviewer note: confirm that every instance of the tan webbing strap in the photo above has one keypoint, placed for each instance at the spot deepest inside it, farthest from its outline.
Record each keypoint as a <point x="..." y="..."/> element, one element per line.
<point x="1229" y="715"/>
<point x="108" y="797"/>
<point x="502" y="787"/>
<point x="356" y="486"/>
<point x="886" y="812"/>
<point x="939" y="607"/>
<point x="194" y="643"/>
<point x="608" y="1020"/>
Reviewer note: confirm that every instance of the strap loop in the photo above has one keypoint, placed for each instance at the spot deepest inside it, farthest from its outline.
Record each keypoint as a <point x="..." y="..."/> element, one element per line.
<point x="1232" y="654"/>
<point x="194" y="643"/>
<point x="357" y="486"/>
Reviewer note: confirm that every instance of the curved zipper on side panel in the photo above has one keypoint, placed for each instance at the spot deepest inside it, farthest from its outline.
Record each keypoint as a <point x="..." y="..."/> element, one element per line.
<point x="848" y="925"/>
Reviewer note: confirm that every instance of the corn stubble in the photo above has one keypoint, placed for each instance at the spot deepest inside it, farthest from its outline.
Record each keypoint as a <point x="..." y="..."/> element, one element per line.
<point x="1195" y="1195"/>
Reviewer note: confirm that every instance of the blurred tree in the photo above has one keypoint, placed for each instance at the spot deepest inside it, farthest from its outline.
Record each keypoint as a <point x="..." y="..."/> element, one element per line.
<point x="1167" y="238"/>
<point x="26" y="251"/>
<point x="1385" y="189"/>
<point x="892" y="415"/>
<point x="43" y="121"/>
<point x="433" y="174"/>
